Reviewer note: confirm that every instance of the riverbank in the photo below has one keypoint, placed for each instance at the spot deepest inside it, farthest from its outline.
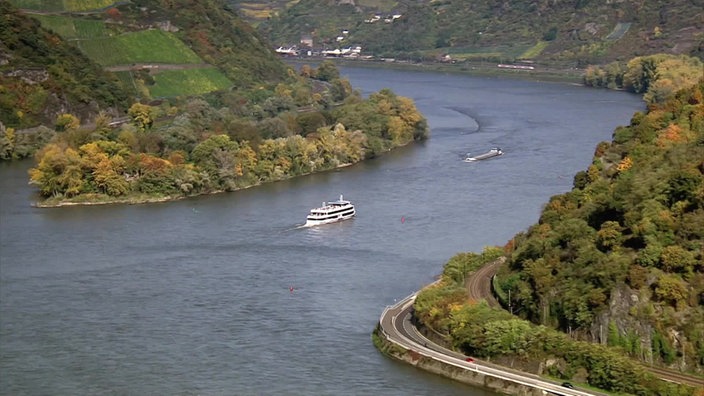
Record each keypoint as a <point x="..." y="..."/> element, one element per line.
<point x="483" y="68"/>
<point x="139" y="199"/>
<point x="102" y="199"/>
<point x="447" y="370"/>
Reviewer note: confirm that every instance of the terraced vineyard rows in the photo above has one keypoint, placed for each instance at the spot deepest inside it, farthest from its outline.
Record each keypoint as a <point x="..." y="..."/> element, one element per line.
<point x="175" y="69"/>
<point x="139" y="47"/>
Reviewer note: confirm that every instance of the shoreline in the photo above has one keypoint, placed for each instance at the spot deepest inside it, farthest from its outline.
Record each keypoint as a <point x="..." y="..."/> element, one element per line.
<point x="481" y="69"/>
<point x="140" y="199"/>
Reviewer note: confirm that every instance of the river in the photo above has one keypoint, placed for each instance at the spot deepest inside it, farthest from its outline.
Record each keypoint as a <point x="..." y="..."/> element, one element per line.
<point x="193" y="297"/>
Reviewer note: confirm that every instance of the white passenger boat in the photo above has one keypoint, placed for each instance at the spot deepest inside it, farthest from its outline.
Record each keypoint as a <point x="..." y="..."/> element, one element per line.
<point x="331" y="212"/>
<point x="489" y="154"/>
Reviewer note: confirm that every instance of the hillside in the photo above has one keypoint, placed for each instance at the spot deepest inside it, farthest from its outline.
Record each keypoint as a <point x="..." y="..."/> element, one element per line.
<point x="206" y="106"/>
<point x="42" y="75"/>
<point x="91" y="56"/>
<point x="562" y="33"/>
<point x="618" y="259"/>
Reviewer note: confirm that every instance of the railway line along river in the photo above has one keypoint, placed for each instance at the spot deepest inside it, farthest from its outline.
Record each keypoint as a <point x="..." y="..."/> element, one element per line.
<point x="226" y="294"/>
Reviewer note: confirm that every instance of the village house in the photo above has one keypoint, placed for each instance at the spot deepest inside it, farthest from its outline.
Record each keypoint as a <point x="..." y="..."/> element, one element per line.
<point x="307" y="41"/>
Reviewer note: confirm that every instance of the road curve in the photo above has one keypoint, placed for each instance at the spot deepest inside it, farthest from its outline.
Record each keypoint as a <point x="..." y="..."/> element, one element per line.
<point x="397" y="327"/>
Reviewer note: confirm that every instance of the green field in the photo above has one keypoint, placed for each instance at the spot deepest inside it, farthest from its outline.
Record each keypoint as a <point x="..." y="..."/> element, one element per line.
<point x="535" y="50"/>
<point x="63" y="26"/>
<point x="65" y="5"/>
<point x="39" y="5"/>
<point x="172" y="83"/>
<point x="86" y="5"/>
<point x="89" y="29"/>
<point x="72" y="28"/>
<point x="148" y="46"/>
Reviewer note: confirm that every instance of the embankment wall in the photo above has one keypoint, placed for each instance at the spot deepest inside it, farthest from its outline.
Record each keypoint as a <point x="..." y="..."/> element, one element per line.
<point x="466" y="376"/>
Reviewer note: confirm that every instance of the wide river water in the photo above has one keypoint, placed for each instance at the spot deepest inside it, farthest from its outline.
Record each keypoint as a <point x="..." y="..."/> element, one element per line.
<point x="193" y="297"/>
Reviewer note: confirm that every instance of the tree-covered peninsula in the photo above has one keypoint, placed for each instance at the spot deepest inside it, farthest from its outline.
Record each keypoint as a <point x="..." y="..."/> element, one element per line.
<point x="208" y="149"/>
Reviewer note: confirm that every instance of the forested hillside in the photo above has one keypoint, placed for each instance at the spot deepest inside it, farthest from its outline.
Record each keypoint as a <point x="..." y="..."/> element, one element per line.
<point x="610" y="281"/>
<point x="97" y="56"/>
<point x="314" y="124"/>
<point x="624" y="250"/>
<point x="567" y="33"/>
<point x="41" y="75"/>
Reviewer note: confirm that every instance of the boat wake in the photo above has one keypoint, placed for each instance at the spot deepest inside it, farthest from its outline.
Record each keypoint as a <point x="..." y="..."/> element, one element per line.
<point x="296" y="227"/>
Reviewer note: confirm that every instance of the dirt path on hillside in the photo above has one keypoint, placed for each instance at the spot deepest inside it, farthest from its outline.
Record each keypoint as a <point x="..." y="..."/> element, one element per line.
<point x="158" y="66"/>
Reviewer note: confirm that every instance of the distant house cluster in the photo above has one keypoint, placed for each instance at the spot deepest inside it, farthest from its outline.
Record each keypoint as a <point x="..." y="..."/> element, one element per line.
<point x="387" y="19"/>
<point x="349" y="52"/>
<point x="290" y="51"/>
<point x="306" y="47"/>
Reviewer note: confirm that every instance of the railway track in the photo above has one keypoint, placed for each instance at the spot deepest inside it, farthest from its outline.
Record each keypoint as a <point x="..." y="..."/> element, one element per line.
<point x="675" y="376"/>
<point x="479" y="283"/>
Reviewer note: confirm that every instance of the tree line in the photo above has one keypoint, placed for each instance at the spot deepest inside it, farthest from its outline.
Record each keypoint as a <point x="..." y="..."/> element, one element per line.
<point x="657" y="77"/>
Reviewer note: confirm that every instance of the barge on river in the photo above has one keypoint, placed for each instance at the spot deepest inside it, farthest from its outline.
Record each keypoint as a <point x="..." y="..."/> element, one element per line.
<point x="495" y="152"/>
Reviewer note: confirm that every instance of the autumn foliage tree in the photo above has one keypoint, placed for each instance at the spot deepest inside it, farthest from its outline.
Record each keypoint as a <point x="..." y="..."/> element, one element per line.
<point x="658" y="77"/>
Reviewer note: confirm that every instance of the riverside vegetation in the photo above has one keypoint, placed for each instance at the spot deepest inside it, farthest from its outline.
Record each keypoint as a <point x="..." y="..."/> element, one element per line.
<point x="611" y="278"/>
<point x="206" y="149"/>
<point x="271" y="122"/>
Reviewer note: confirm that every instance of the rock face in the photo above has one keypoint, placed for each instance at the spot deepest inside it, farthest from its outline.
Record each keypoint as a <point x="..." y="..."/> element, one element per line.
<point x="634" y="320"/>
<point x="29" y="76"/>
<point x="624" y="300"/>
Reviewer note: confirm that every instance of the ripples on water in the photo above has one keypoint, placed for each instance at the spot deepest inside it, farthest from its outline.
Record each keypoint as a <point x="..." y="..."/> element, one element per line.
<point x="193" y="297"/>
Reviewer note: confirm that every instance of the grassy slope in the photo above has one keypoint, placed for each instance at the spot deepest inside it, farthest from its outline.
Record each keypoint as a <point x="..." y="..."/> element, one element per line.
<point x="62" y="5"/>
<point x="139" y="47"/>
<point x="171" y="83"/>
<point x="206" y="33"/>
<point x="112" y="48"/>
